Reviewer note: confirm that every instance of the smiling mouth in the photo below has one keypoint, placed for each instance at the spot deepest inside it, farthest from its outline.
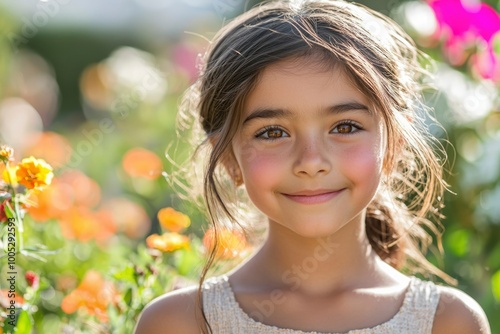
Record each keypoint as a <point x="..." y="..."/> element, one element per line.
<point x="313" y="197"/>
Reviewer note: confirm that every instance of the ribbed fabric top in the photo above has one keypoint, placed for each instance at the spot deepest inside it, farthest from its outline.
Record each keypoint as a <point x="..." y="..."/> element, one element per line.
<point x="225" y="315"/>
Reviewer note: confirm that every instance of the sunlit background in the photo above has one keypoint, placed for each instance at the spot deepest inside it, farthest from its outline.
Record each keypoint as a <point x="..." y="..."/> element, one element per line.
<point x="92" y="87"/>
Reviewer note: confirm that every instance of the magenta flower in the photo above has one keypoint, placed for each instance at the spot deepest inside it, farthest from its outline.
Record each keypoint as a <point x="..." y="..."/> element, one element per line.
<point x="465" y="28"/>
<point x="185" y="57"/>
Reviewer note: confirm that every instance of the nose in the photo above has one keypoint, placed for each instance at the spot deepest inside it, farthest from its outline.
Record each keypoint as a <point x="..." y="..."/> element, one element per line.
<point x="312" y="158"/>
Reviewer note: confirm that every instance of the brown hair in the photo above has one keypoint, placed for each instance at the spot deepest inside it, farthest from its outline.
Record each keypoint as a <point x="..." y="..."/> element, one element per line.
<point x="384" y="64"/>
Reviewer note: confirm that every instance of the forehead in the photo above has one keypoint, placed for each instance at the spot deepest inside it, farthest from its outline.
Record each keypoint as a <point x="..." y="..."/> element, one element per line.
<point x="302" y="83"/>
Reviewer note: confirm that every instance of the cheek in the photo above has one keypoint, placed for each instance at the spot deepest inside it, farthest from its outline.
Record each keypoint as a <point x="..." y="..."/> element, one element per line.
<point x="258" y="167"/>
<point x="364" y="163"/>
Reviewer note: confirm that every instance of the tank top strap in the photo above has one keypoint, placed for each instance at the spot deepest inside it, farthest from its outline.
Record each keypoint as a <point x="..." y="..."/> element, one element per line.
<point x="217" y="301"/>
<point x="421" y="305"/>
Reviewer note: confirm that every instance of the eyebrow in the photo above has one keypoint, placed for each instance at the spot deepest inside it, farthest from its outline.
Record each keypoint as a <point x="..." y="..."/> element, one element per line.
<point x="285" y="113"/>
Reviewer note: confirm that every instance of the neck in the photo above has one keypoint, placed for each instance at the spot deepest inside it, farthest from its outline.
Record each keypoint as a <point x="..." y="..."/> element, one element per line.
<point x="317" y="265"/>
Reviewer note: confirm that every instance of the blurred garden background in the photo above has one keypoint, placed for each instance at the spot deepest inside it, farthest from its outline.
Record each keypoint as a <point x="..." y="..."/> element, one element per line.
<point x="93" y="87"/>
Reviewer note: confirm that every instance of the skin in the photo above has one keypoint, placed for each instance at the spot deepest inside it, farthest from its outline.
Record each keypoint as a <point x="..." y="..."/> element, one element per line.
<point x="316" y="260"/>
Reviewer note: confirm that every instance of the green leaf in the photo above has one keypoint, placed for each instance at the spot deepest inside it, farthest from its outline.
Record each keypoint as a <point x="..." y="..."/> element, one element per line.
<point x="33" y="255"/>
<point x="9" y="212"/>
<point x="187" y="261"/>
<point x="8" y="325"/>
<point x="127" y="275"/>
<point x="493" y="260"/>
<point x="42" y="249"/>
<point x="24" y="324"/>
<point x="496" y="43"/>
<point x="458" y="242"/>
<point x="495" y="285"/>
<point x="128" y="297"/>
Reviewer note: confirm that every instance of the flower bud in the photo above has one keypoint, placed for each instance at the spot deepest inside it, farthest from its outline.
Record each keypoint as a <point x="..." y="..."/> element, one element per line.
<point x="6" y="153"/>
<point x="32" y="279"/>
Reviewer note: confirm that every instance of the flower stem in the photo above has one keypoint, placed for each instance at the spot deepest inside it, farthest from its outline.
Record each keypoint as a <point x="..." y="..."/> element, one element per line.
<point x="19" y="218"/>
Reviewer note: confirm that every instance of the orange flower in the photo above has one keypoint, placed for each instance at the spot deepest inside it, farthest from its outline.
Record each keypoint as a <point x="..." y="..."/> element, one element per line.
<point x="6" y="153"/>
<point x="71" y="189"/>
<point x="85" y="191"/>
<point x="130" y="217"/>
<point x="93" y="295"/>
<point x="66" y="281"/>
<point x="51" y="203"/>
<point x="5" y="300"/>
<point x="96" y="86"/>
<point x="85" y="225"/>
<point x="34" y="173"/>
<point x="52" y="147"/>
<point x="139" y="162"/>
<point x="172" y="220"/>
<point x="231" y="243"/>
<point x="167" y="242"/>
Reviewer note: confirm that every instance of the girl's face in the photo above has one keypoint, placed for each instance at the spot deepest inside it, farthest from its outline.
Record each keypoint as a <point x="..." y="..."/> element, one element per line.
<point x="310" y="149"/>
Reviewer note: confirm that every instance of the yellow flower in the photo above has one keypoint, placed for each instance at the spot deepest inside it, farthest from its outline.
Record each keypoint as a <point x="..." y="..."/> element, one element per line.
<point x="9" y="175"/>
<point x="167" y="242"/>
<point x="34" y="173"/>
<point x="6" y="153"/>
<point x="172" y="220"/>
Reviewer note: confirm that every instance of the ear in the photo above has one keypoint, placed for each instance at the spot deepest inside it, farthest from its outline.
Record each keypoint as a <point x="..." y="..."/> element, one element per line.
<point x="229" y="162"/>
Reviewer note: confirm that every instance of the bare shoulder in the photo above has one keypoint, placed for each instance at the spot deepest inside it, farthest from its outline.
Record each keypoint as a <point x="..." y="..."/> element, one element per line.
<point x="174" y="312"/>
<point x="459" y="313"/>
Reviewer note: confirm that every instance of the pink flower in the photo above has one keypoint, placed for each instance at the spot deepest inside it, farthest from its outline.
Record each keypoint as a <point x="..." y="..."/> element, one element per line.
<point x="465" y="27"/>
<point x="487" y="65"/>
<point x="461" y="20"/>
<point x="185" y="57"/>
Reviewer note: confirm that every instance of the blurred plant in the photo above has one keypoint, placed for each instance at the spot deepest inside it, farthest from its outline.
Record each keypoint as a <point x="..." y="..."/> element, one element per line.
<point x="18" y="182"/>
<point x="155" y="270"/>
<point x="99" y="303"/>
<point x="15" y="310"/>
<point x="101" y="203"/>
<point x="94" y="295"/>
<point x="30" y="176"/>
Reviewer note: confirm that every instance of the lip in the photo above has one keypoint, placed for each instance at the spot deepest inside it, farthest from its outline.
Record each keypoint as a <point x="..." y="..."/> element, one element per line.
<point x="313" y="196"/>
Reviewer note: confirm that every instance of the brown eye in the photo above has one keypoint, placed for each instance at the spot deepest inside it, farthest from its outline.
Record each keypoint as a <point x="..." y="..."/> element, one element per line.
<point x="271" y="133"/>
<point x="275" y="133"/>
<point x="344" y="128"/>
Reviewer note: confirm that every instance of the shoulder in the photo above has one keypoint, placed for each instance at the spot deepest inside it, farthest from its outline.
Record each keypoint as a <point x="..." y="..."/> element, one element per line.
<point x="458" y="313"/>
<point x="174" y="312"/>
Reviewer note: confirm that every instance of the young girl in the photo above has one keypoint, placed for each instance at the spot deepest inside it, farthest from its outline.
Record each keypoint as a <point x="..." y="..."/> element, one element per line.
<point x="312" y="108"/>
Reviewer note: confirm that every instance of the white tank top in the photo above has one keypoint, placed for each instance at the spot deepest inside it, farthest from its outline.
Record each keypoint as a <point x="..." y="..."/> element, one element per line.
<point x="225" y="315"/>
